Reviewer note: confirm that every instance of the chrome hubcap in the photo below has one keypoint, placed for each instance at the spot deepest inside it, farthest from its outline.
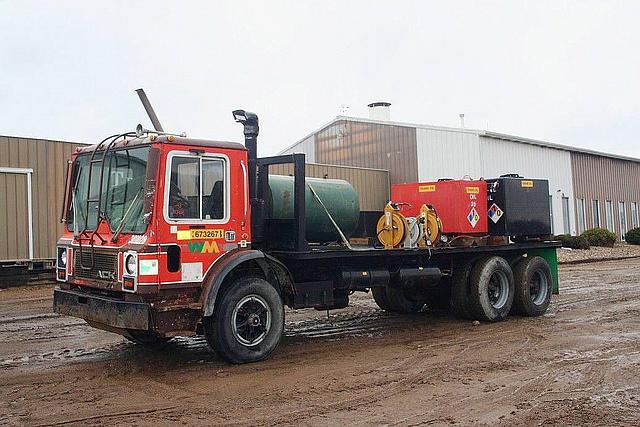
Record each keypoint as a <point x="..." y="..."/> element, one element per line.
<point x="538" y="288"/>
<point x="498" y="290"/>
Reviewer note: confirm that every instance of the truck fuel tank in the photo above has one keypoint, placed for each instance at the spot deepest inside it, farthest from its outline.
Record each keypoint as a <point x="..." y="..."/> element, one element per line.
<point x="461" y="205"/>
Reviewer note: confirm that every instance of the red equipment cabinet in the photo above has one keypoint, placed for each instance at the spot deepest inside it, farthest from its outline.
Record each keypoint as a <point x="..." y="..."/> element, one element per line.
<point x="460" y="204"/>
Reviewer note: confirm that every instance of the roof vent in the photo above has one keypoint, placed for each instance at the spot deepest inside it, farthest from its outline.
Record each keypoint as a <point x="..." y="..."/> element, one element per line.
<point x="380" y="111"/>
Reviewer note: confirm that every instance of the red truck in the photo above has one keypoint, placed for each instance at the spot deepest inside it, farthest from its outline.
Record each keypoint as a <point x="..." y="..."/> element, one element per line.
<point x="171" y="236"/>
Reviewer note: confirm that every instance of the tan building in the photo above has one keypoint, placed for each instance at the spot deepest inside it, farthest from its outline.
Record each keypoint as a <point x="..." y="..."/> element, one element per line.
<point x="32" y="175"/>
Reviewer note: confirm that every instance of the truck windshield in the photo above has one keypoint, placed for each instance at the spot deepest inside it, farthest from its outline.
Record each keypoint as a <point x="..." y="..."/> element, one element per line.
<point x="122" y="191"/>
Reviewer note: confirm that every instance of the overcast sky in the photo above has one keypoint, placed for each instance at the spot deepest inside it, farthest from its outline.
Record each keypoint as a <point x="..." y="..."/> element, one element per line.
<point x="565" y="72"/>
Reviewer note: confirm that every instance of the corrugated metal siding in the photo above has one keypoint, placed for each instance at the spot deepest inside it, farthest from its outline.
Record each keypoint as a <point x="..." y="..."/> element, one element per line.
<point x="603" y="178"/>
<point x="372" y="185"/>
<point x="307" y="146"/>
<point x="500" y="157"/>
<point x="48" y="161"/>
<point x="370" y="145"/>
<point x="14" y="227"/>
<point x="447" y="154"/>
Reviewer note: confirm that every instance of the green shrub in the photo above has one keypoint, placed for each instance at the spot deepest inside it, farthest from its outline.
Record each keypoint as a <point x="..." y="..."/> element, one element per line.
<point x="573" y="242"/>
<point x="600" y="237"/>
<point x="633" y="236"/>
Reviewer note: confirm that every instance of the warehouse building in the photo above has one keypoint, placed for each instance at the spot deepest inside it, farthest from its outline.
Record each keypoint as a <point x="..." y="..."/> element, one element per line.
<point x="32" y="175"/>
<point x="587" y="188"/>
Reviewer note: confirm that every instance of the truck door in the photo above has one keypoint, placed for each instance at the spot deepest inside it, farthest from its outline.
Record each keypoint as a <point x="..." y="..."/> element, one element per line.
<point x="197" y="211"/>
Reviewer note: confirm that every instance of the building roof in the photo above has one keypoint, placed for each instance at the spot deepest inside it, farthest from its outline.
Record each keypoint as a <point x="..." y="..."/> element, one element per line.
<point x="34" y="138"/>
<point x="478" y="132"/>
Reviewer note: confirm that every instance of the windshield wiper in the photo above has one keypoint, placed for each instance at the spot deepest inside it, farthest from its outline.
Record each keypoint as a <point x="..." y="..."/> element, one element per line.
<point x="74" y="205"/>
<point x="125" y="217"/>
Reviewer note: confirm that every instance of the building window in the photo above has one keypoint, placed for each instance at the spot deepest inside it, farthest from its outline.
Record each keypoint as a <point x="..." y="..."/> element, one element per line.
<point x="609" y="215"/>
<point x="582" y="226"/>
<point x="595" y="212"/>
<point x="622" y="211"/>
<point x="635" y="220"/>
<point x="551" y="212"/>
<point x="566" y="221"/>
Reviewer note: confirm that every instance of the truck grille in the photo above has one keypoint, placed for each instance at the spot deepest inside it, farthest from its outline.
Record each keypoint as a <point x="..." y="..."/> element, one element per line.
<point x="104" y="267"/>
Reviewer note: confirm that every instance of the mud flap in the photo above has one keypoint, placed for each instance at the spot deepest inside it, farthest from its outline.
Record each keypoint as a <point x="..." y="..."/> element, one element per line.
<point x="107" y="311"/>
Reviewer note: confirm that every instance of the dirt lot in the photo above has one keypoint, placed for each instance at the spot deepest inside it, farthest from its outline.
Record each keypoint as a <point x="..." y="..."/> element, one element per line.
<point x="579" y="364"/>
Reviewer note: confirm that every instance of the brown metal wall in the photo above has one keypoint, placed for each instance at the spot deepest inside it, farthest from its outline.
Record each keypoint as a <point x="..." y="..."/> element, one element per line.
<point x="370" y="145"/>
<point x="48" y="161"/>
<point x="604" y="178"/>
<point x="372" y="185"/>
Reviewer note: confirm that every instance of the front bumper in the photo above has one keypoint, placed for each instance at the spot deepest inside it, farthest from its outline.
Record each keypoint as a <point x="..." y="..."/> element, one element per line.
<point x="104" y="310"/>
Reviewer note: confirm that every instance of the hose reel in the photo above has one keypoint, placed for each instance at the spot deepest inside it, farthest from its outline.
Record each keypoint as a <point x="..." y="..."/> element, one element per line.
<point x="394" y="230"/>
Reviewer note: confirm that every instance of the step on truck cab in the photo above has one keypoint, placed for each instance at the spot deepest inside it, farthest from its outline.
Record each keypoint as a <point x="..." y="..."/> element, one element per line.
<point x="172" y="236"/>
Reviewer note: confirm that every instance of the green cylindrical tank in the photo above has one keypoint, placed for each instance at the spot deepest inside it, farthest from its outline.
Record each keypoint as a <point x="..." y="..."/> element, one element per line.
<point x="338" y="196"/>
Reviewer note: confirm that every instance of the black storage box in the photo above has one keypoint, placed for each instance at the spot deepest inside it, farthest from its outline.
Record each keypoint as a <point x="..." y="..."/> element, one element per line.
<point x="518" y="207"/>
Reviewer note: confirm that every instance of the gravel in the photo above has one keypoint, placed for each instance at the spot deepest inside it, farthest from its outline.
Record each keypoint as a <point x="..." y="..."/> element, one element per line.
<point x="620" y="250"/>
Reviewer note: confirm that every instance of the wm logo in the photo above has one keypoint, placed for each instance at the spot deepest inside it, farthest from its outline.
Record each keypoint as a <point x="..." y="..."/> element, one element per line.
<point x="204" y="246"/>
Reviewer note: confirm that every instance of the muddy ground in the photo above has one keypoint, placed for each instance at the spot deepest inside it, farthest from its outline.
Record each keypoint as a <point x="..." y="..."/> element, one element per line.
<point x="579" y="364"/>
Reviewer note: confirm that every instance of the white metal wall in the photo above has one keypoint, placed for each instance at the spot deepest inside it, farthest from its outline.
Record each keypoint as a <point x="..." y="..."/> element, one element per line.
<point x="458" y="153"/>
<point x="500" y="157"/>
<point x="447" y="154"/>
<point x="306" y="146"/>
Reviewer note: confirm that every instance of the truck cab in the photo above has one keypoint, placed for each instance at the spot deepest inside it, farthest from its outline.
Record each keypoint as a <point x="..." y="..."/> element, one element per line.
<point x="151" y="221"/>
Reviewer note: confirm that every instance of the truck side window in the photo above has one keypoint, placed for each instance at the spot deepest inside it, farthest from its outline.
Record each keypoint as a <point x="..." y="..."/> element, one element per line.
<point x="212" y="189"/>
<point x="184" y="191"/>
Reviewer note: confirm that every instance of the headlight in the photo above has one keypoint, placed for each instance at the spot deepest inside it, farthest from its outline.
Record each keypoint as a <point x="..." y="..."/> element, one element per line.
<point x="130" y="264"/>
<point x="62" y="257"/>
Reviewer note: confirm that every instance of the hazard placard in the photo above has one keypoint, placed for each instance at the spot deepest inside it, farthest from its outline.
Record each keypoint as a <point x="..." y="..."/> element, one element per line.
<point x="495" y="213"/>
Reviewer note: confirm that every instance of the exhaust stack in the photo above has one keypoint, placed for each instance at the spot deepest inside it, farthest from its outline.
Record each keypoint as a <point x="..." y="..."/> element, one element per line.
<point x="152" y="114"/>
<point x="380" y="111"/>
<point x="251" y="129"/>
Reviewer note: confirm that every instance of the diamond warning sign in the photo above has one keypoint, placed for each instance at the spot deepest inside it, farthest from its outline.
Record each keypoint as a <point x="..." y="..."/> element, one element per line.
<point x="495" y="213"/>
<point x="473" y="217"/>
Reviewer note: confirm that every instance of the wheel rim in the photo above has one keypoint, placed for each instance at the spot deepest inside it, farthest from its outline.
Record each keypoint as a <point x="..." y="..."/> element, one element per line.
<point x="538" y="287"/>
<point x="251" y="320"/>
<point x="498" y="289"/>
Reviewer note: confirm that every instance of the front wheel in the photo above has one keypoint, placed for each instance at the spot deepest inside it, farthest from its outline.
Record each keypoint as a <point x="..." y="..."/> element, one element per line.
<point x="247" y="323"/>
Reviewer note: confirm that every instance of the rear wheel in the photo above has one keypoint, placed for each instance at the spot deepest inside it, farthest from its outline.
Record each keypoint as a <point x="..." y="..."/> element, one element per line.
<point x="533" y="286"/>
<point x="380" y="297"/>
<point x="491" y="289"/>
<point x="247" y="323"/>
<point x="400" y="302"/>
<point x="460" y="290"/>
<point x="395" y="300"/>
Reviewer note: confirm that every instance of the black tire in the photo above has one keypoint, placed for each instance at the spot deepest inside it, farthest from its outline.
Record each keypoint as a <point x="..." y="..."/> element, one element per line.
<point x="395" y="300"/>
<point x="460" y="290"/>
<point x="438" y="298"/>
<point x="380" y="297"/>
<point x="247" y="323"/>
<point x="145" y="338"/>
<point x="491" y="289"/>
<point x="533" y="286"/>
<point x="399" y="302"/>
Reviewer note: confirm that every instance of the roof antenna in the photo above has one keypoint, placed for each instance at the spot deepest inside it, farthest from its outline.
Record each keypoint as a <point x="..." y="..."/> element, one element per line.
<point x="147" y="106"/>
